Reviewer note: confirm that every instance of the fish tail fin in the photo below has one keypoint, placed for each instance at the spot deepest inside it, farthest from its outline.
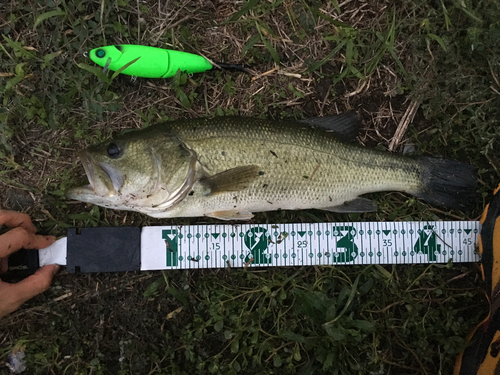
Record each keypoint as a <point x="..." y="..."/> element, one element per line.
<point x="448" y="183"/>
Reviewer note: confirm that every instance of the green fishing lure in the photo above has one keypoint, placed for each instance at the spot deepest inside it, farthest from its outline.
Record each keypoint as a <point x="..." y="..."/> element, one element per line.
<point x="151" y="62"/>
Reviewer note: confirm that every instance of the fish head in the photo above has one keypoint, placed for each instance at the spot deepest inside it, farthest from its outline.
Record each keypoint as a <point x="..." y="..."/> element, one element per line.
<point x="136" y="171"/>
<point x="102" y="56"/>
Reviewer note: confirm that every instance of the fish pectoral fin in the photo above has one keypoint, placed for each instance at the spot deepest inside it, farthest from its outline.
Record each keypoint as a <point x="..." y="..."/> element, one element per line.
<point x="356" y="205"/>
<point x="344" y="126"/>
<point x="230" y="215"/>
<point x="235" y="179"/>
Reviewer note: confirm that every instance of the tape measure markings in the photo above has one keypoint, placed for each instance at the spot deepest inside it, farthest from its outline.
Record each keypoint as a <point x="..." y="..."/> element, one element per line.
<point x="213" y="246"/>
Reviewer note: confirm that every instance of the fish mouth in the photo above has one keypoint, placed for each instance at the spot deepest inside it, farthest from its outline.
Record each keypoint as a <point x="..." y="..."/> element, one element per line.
<point x="104" y="180"/>
<point x="85" y="159"/>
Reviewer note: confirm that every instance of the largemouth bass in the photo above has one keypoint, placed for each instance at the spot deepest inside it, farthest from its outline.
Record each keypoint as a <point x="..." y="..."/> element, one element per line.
<point x="230" y="167"/>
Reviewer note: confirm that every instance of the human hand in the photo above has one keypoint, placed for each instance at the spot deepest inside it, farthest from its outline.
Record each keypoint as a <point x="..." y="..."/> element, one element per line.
<point x="22" y="236"/>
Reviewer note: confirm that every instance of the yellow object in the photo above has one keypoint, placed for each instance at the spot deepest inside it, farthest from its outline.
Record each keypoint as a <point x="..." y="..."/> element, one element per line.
<point x="483" y="356"/>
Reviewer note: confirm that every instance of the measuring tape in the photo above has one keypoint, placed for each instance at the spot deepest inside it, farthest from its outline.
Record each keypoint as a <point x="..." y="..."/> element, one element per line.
<point x="272" y="245"/>
<point x="216" y="246"/>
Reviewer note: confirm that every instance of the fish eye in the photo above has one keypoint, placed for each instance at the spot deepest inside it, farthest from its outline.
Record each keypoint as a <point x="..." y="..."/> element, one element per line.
<point x="100" y="53"/>
<point x="113" y="151"/>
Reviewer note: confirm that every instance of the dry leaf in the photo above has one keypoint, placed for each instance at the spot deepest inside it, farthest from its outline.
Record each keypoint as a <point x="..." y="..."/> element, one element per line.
<point x="171" y="314"/>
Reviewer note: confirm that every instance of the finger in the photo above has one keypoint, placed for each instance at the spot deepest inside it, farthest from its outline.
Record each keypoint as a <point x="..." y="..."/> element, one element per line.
<point x="18" y="238"/>
<point x="33" y="285"/>
<point x="14" y="219"/>
<point x="4" y="265"/>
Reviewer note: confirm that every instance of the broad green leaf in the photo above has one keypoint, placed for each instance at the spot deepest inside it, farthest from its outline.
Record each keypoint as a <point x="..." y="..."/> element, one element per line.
<point x="235" y="345"/>
<point x="331" y="311"/>
<point x="183" y="98"/>
<point x="183" y="78"/>
<point x="330" y="358"/>
<point x="12" y="82"/>
<point x="124" y="67"/>
<point x="330" y="19"/>
<point x="296" y="92"/>
<point x="447" y="19"/>
<point x="344" y="293"/>
<point x="336" y="5"/>
<point x="18" y="47"/>
<point x="333" y="38"/>
<point x="179" y="79"/>
<point x="398" y="62"/>
<point x="250" y="43"/>
<point x="438" y="39"/>
<point x="384" y="272"/>
<point x="381" y="48"/>
<point x="48" y="58"/>
<point x="247" y="7"/>
<point x="236" y="366"/>
<point x="348" y="52"/>
<point x="293" y="336"/>
<point x="469" y="13"/>
<point x="364" y="325"/>
<point x="352" y="294"/>
<point x="19" y="69"/>
<point x="42" y="17"/>
<point x="366" y="287"/>
<point x="81" y="216"/>
<point x="335" y="331"/>
<point x="267" y="29"/>
<point x="255" y="337"/>
<point x="296" y="353"/>
<point x="315" y="66"/>
<point x="355" y="72"/>
<point x="154" y="288"/>
<point x="268" y="45"/>
<point x="178" y="295"/>
<point x="218" y="325"/>
<point x="277" y="362"/>
<point x="97" y="71"/>
<point x="271" y="50"/>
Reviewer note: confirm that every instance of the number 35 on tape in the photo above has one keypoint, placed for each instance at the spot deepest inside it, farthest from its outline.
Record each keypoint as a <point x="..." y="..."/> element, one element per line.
<point x="218" y="246"/>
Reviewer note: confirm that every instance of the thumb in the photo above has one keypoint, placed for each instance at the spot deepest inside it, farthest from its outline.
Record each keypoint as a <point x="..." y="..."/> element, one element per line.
<point x="14" y="295"/>
<point x="35" y="284"/>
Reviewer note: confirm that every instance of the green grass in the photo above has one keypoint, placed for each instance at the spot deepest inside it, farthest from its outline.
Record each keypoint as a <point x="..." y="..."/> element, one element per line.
<point x="372" y="57"/>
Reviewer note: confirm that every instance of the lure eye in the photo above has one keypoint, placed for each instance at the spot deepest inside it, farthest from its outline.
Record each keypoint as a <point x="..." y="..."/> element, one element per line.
<point x="100" y="53"/>
<point x="113" y="151"/>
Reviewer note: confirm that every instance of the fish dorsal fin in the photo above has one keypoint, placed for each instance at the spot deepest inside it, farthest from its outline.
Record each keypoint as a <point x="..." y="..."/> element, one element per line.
<point x="230" y="215"/>
<point x="235" y="179"/>
<point x="344" y="126"/>
<point x="356" y="205"/>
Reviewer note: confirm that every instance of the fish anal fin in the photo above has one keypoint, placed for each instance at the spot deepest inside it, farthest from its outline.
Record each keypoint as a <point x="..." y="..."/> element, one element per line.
<point x="230" y="215"/>
<point x="356" y="205"/>
<point x="235" y="179"/>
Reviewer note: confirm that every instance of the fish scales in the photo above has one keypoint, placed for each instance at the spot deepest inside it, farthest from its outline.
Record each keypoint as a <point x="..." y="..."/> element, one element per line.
<point x="301" y="168"/>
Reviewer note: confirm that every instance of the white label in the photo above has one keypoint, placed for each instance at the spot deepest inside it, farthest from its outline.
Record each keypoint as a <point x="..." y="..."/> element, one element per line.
<point x="54" y="254"/>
